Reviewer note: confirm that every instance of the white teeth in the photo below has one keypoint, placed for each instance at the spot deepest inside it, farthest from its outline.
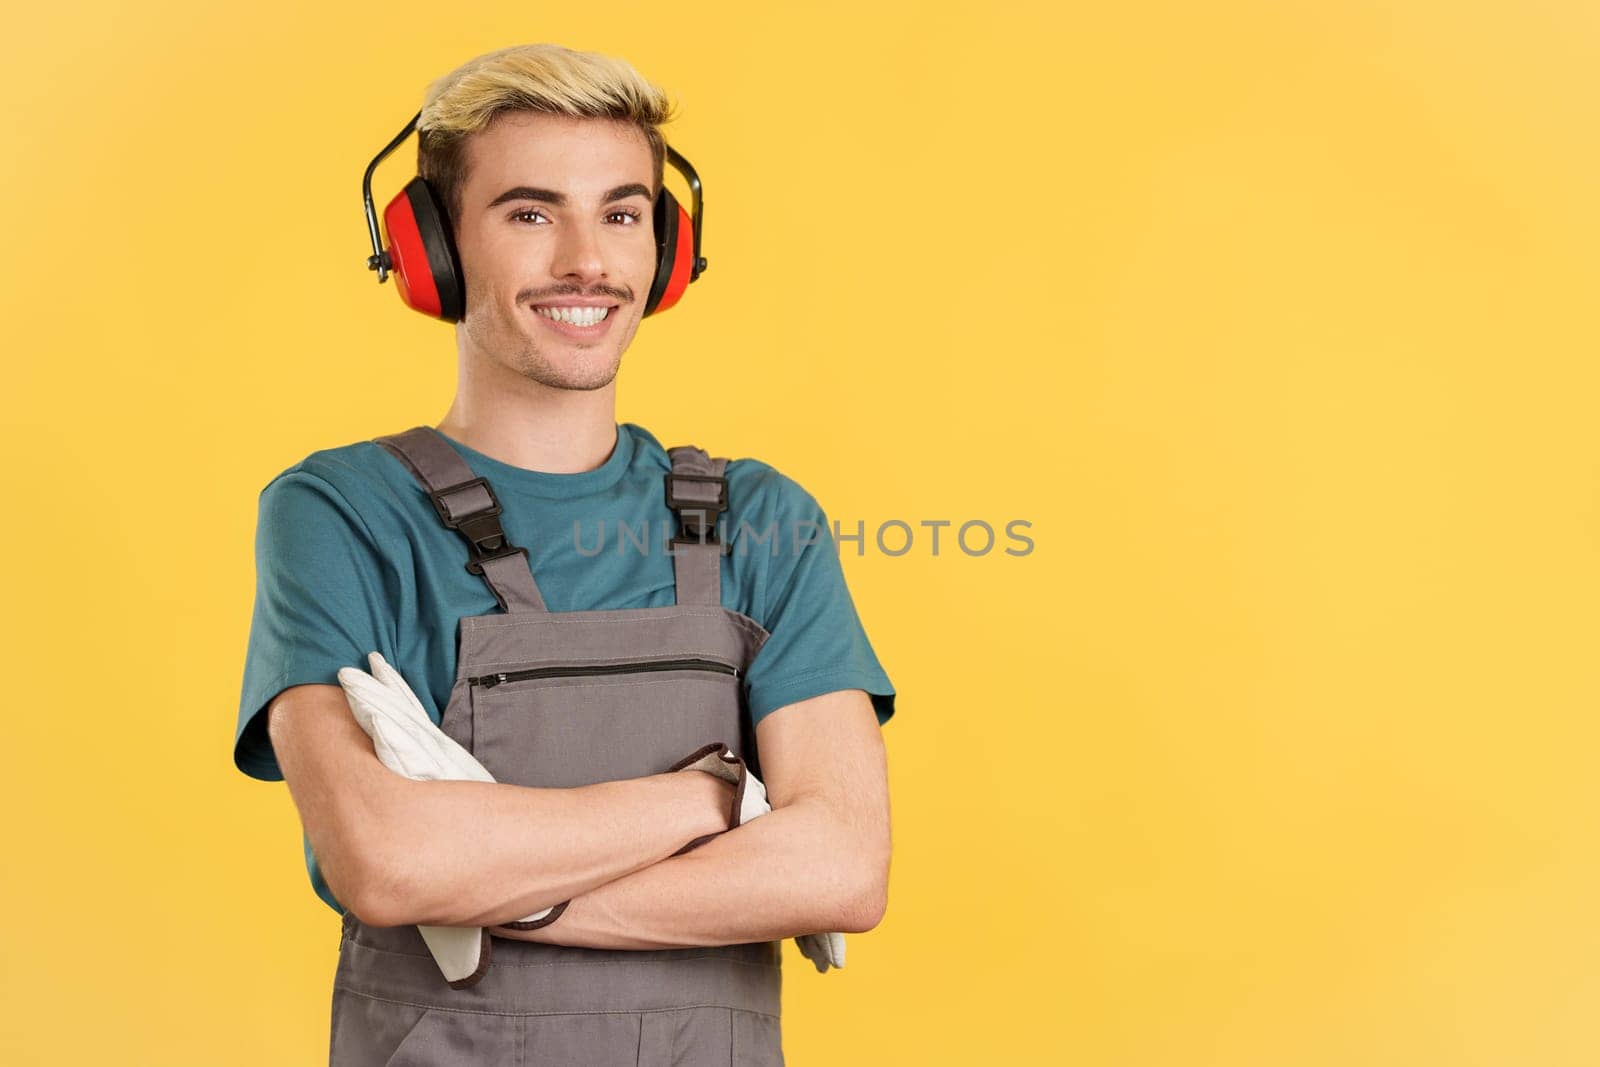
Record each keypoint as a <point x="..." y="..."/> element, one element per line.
<point x="575" y="315"/>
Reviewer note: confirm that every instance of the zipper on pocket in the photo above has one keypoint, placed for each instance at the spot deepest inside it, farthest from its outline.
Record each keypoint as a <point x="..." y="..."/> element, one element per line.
<point x="489" y="681"/>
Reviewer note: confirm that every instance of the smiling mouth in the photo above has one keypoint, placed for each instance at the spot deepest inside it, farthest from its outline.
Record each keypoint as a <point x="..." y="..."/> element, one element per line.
<point x="575" y="316"/>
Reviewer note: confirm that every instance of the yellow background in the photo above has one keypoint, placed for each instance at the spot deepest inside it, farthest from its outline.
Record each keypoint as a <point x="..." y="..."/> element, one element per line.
<point x="1276" y="320"/>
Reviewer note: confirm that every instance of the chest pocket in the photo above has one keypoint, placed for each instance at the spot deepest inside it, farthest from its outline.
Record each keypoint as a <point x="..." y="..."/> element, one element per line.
<point x="580" y="724"/>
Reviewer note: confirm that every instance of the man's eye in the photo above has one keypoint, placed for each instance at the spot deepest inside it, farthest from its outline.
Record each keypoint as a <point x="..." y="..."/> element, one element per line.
<point x="530" y="211"/>
<point x="632" y="216"/>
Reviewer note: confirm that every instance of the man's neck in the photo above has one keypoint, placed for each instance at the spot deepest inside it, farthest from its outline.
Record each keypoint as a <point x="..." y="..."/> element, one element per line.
<point x="550" y="430"/>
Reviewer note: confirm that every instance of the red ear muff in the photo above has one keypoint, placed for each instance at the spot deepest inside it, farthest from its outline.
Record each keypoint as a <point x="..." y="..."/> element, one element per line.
<point x="422" y="253"/>
<point x="675" y="253"/>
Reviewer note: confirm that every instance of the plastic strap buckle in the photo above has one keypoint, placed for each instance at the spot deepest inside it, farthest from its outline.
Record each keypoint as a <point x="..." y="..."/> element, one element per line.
<point x="485" y="538"/>
<point x="697" y="518"/>
<point x="438" y="495"/>
<point x="676" y="502"/>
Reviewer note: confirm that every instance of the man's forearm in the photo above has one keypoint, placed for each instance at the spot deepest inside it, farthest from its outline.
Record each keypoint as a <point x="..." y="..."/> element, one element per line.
<point x="459" y="853"/>
<point x="796" y="870"/>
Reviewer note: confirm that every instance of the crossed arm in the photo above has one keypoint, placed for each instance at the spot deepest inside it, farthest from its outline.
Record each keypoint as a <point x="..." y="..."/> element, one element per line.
<point x="399" y="852"/>
<point x="819" y="861"/>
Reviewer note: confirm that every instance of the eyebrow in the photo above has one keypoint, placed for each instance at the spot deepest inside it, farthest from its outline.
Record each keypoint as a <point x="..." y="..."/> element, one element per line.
<point x="550" y="196"/>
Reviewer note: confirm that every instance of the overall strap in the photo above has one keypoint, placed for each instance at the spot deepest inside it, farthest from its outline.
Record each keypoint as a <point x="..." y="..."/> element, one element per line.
<point x="698" y="493"/>
<point x="467" y="504"/>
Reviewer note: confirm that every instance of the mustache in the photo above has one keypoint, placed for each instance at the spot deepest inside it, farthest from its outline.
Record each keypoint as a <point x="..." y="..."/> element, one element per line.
<point x="539" y="296"/>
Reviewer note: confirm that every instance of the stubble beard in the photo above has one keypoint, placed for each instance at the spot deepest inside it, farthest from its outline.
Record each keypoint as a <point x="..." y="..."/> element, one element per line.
<point x="513" y="348"/>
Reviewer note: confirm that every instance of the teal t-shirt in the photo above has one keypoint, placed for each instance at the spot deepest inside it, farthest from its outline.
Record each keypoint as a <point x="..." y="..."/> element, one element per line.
<point x="352" y="558"/>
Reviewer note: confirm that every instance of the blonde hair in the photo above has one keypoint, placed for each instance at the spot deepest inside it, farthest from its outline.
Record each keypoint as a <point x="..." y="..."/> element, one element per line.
<point x="531" y="77"/>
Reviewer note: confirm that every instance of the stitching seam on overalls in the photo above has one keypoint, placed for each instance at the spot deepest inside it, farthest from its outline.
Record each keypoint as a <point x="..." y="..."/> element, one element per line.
<point x="545" y="618"/>
<point x="571" y="963"/>
<point x="529" y="1014"/>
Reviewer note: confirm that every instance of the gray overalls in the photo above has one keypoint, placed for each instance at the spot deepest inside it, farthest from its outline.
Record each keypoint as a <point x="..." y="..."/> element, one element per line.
<point x="565" y="699"/>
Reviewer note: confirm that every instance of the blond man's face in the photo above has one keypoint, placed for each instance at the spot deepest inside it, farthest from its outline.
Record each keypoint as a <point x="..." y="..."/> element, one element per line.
<point x="557" y="247"/>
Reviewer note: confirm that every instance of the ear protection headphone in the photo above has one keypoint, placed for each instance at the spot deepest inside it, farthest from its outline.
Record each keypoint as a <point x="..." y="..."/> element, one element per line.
<point x="427" y="269"/>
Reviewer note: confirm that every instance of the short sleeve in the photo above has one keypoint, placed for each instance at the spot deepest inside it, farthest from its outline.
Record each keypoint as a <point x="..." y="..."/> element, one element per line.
<point x="817" y="643"/>
<point x="323" y="601"/>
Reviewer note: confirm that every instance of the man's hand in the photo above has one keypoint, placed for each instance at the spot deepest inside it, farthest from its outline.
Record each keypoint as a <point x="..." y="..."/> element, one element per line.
<point x="748" y="797"/>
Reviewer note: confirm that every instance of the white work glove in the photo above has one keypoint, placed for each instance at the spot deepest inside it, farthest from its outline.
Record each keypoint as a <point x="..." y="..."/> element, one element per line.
<point x="407" y="742"/>
<point x="824" y="950"/>
<point x="750" y="801"/>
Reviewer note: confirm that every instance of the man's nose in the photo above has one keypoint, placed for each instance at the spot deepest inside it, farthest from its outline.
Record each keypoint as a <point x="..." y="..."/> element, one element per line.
<point x="578" y="254"/>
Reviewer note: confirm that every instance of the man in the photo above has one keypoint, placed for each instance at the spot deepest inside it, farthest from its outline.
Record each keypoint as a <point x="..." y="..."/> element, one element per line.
<point x="547" y="162"/>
